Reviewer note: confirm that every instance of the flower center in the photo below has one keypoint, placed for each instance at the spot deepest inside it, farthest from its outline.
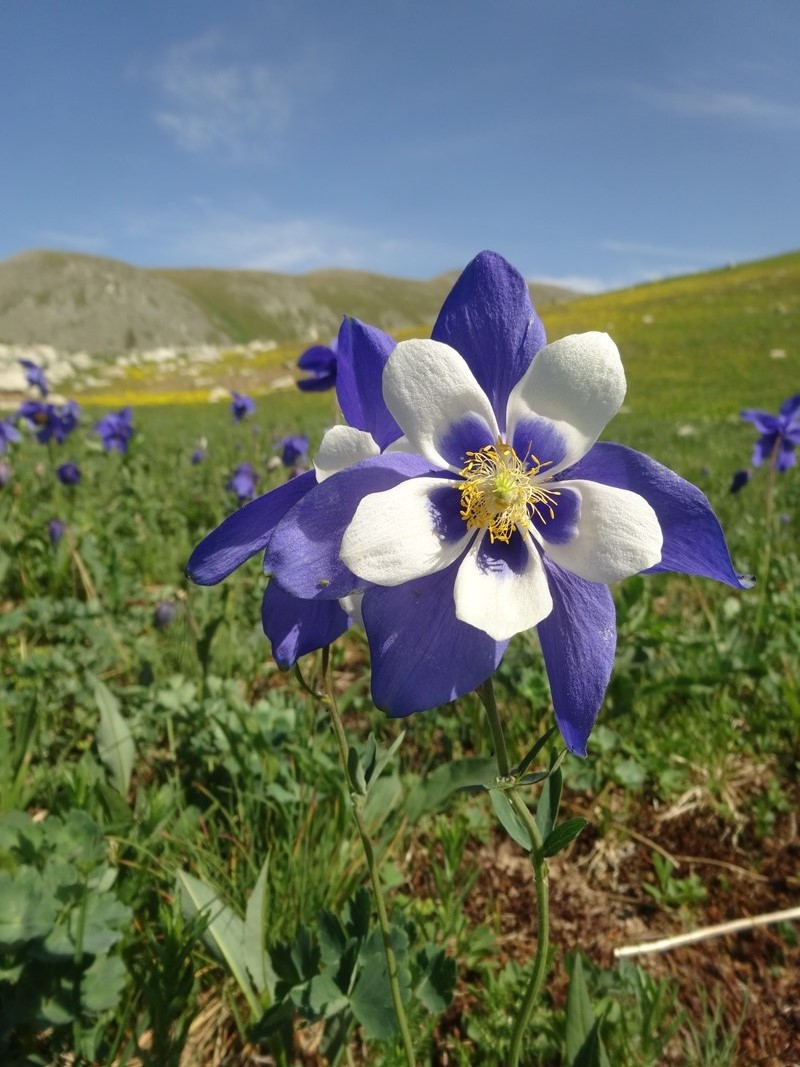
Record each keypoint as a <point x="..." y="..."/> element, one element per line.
<point x="498" y="493"/>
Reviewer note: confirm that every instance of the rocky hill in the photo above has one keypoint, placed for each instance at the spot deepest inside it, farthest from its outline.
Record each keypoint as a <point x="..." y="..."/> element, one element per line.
<point x="85" y="303"/>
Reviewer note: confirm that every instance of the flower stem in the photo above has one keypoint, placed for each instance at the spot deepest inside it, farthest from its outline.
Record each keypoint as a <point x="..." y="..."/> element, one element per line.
<point x="369" y="854"/>
<point x="533" y="989"/>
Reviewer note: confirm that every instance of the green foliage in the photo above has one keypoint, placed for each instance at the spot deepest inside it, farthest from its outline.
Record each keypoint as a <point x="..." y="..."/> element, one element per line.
<point x="61" y="925"/>
<point x="135" y="759"/>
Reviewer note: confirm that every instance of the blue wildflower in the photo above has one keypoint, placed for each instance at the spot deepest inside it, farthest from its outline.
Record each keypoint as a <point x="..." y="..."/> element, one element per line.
<point x="241" y="406"/>
<point x="321" y="361"/>
<point x="739" y="480"/>
<point x="34" y="376"/>
<point x="68" y="474"/>
<point x="115" y="430"/>
<point x="243" y="482"/>
<point x="55" y="531"/>
<point x="164" y="613"/>
<point x="780" y="434"/>
<point x="292" y="449"/>
<point x="49" y="421"/>
<point x="9" y="434"/>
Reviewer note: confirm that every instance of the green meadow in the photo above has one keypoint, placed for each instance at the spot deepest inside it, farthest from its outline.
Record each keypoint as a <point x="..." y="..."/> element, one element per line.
<point x="180" y="874"/>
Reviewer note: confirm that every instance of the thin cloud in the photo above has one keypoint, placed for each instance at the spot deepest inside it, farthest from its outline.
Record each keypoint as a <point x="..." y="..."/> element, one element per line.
<point x="253" y="240"/>
<point x="213" y="103"/>
<point x="740" y="107"/>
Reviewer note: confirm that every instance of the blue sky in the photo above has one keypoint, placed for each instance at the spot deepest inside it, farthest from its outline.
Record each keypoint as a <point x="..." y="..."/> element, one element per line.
<point x="596" y="143"/>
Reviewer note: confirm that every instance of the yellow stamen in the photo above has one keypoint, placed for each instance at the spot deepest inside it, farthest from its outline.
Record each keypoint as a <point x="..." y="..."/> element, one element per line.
<point x="498" y="493"/>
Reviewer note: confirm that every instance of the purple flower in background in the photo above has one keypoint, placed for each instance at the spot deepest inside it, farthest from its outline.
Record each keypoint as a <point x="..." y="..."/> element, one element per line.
<point x="739" y="480"/>
<point x="241" y="406"/>
<point x="34" y="376"/>
<point x="68" y="474"/>
<point x="115" y="430"/>
<point x="50" y="422"/>
<point x="55" y="531"/>
<point x="321" y="361"/>
<point x="164" y="613"/>
<point x="8" y="434"/>
<point x="292" y="449"/>
<point x="198" y="456"/>
<point x="243" y="482"/>
<point x="780" y="434"/>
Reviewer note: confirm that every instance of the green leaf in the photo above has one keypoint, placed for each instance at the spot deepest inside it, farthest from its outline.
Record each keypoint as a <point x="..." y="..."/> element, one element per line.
<point x="28" y="910"/>
<point x="504" y="811"/>
<point x="115" y="743"/>
<point x="255" y="951"/>
<point x="322" y="998"/>
<point x="371" y="999"/>
<point x="102" y="984"/>
<point x="101" y="925"/>
<point x="435" y="988"/>
<point x="534" y="751"/>
<point x="356" y="772"/>
<point x="563" y="835"/>
<point x="433" y="792"/>
<point x="550" y="799"/>
<point x="332" y="938"/>
<point x="225" y="932"/>
<point x="580" y="1017"/>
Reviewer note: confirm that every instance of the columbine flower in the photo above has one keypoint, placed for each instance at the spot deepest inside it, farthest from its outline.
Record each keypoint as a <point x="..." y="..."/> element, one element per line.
<point x="241" y="405"/>
<point x="68" y="474"/>
<point x="243" y="482"/>
<point x="779" y="434"/>
<point x="164" y="613"/>
<point x="296" y="625"/>
<point x="34" y="376"/>
<point x="55" y="531"/>
<point x="116" y="430"/>
<point x="50" y="421"/>
<point x="8" y="434"/>
<point x="321" y="361"/>
<point x="496" y="511"/>
<point x="292" y="449"/>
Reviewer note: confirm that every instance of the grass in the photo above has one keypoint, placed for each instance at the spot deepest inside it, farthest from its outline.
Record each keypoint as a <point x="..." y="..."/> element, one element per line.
<point x="139" y="762"/>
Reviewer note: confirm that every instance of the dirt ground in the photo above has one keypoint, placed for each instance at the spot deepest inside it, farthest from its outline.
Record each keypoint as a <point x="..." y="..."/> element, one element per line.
<point x="598" y="904"/>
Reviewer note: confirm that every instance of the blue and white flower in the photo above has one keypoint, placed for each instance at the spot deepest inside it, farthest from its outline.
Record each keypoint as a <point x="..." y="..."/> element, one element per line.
<point x="491" y="509"/>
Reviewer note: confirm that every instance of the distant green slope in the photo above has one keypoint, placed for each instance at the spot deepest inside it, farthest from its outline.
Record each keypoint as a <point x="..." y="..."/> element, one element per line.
<point x="703" y="344"/>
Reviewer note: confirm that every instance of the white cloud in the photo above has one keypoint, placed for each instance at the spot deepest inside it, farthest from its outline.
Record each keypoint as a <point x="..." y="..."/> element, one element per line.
<point x="214" y="103"/>
<point x="702" y="102"/>
<point x="253" y="239"/>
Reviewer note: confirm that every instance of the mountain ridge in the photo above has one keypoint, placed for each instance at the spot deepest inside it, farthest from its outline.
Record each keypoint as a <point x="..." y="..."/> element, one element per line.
<point x="79" y="302"/>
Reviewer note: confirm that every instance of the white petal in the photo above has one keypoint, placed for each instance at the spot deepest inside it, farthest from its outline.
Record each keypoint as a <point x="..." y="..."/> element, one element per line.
<point x="429" y="388"/>
<point x="341" y="447"/>
<point x="498" y="602"/>
<point x="578" y="383"/>
<point x="352" y="606"/>
<point x="394" y="538"/>
<point x="618" y="534"/>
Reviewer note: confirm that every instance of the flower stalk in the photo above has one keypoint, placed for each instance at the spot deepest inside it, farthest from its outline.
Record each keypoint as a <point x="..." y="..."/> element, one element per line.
<point x="540" y="880"/>
<point x="372" y="867"/>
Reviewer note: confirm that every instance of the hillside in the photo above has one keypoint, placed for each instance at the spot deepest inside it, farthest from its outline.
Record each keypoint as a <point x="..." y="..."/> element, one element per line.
<point x="84" y="303"/>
